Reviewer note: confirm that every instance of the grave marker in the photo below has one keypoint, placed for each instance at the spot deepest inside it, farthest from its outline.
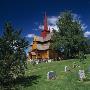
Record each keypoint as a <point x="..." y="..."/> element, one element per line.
<point x="81" y="75"/>
<point x="65" y="68"/>
<point x="51" y="75"/>
<point x="49" y="60"/>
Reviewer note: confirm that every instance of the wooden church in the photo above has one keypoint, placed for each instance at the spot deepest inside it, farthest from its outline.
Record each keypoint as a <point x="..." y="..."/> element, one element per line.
<point x="40" y="47"/>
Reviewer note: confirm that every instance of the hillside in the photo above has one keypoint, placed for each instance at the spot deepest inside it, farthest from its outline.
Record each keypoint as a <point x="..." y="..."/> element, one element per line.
<point x="36" y="76"/>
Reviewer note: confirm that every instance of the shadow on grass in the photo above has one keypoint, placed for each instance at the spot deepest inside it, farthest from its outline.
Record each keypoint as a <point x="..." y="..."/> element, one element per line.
<point x="27" y="80"/>
<point x="87" y="80"/>
<point x="24" y="81"/>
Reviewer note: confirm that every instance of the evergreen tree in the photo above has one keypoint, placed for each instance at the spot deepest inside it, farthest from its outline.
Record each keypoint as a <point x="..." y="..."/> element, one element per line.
<point x="12" y="55"/>
<point x="70" y="36"/>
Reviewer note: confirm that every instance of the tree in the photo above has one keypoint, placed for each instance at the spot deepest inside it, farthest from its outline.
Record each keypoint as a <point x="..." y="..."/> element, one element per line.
<point x="12" y="55"/>
<point x="88" y="46"/>
<point x="70" y="36"/>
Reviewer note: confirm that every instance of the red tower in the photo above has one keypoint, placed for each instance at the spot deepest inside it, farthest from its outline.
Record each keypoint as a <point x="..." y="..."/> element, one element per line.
<point x="45" y="23"/>
<point x="45" y="31"/>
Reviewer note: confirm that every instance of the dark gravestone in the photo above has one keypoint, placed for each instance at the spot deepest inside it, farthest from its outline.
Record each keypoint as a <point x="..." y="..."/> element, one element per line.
<point x="74" y="65"/>
<point x="33" y="62"/>
<point x="51" y="75"/>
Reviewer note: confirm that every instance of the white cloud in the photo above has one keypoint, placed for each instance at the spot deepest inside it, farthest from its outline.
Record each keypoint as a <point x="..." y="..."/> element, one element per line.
<point x="51" y="23"/>
<point x="35" y="29"/>
<point x="76" y="17"/>
<point x="87" y="33"/>
<point x="41" y="27"/>
<point x="52" y="20"/>
<point x="53" y="27"/>
<point x="30" y="35"/>
<point x="84" y="26"/>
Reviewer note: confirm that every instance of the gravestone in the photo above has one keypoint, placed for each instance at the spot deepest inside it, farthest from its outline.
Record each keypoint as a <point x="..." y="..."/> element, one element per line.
<point x="51" y="75"/>
<point x="65" y="68"/>
<point x="33" y="62"/>
<point x="79" y="66"/>
<point x="46" y="61"/>
<point x="74" y="65"/>
<point x="49" y="60"/>
<point x="81" y="75"/>
<point x="37" y="62"/>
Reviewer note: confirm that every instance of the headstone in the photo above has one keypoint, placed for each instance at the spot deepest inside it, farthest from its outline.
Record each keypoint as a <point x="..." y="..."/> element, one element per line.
<point x="33" y="62"/>
<point x="51" y="75"/>
<point x="59" y="58"/>
<point x="49" y="60"/>
<point x="37" y="61"/>
<point x="81" y="75"/>
<point x="79" y="66"/>
<point x="65" y="69"/>
<point x="46" y="61"/>
<point x="74" y="65"/>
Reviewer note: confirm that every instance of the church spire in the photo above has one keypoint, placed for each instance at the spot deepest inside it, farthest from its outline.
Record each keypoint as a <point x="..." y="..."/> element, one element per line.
<point x="45" y="31"/>
<point x="45" y="23"/>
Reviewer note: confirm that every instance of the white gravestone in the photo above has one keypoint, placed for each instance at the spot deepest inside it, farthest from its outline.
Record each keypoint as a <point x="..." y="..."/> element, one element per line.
<point x="46" y="61"/>
<point x="51" y="75"/>
<point x="81" y="75"/>
<point x="65" y="69"/>
<point x="49" y="60"/>
<point x="37" y="62"/>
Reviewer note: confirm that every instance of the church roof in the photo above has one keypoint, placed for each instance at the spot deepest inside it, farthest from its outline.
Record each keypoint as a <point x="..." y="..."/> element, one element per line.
<point x="40" y="46"/>
<point x="47" y="38"/>
<point x="33" y="53"/>
<point x="38" y="42"/>
<point x="43" y="47"/>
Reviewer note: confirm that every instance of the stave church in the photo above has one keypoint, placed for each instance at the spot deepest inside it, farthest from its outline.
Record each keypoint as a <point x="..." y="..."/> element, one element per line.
<point x="40" y="47"/>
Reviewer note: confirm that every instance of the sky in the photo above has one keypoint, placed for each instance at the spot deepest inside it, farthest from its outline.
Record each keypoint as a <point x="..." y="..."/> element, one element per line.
<point x="29" y="14"/>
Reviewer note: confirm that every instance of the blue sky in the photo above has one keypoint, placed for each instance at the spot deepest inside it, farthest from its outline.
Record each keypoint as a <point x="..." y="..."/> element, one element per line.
<point x="29" y="14"/>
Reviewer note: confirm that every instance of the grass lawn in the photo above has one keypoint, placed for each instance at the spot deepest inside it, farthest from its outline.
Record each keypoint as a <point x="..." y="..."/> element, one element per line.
<point x="36" y="76"/>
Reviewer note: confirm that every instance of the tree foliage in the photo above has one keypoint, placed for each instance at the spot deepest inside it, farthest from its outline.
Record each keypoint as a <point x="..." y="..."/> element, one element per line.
<point x="69" y="37"/>
<point x="12" y="54"/>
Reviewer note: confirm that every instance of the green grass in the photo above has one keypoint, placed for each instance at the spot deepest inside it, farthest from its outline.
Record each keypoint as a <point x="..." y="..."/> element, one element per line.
<point x="64" y="81"/>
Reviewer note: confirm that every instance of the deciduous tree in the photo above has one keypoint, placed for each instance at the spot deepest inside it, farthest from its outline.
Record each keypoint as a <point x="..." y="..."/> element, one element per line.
<point x="70" y="36"/>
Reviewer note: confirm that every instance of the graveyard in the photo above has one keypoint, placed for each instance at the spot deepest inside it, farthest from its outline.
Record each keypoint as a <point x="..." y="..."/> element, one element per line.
<point x="65" y="79"/>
